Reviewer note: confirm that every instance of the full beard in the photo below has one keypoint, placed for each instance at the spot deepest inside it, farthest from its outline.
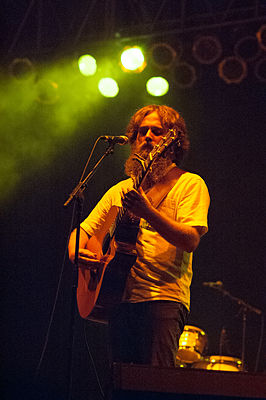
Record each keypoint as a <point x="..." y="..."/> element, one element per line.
<point x="133" y="167"/>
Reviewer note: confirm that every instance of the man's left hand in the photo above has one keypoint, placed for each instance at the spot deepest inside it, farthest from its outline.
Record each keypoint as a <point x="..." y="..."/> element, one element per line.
<point x="137" y="202"/>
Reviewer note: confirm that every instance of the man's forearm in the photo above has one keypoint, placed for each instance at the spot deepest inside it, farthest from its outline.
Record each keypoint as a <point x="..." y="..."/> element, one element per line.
<point x="83" y="240"/>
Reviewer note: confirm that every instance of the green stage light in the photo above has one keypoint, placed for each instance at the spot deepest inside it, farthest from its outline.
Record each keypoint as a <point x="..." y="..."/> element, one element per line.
<point x="132" y="59"/>
<point x="108" y="87"/>
<point x="157" y="86"/>
<point x="87" y="65"/>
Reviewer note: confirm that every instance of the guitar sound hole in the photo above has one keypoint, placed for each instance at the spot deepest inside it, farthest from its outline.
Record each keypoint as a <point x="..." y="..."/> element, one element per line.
<point x="114" y="280"/>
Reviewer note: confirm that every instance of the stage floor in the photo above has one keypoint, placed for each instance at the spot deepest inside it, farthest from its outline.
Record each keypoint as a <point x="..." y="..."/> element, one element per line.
<point x="181" y="381"/>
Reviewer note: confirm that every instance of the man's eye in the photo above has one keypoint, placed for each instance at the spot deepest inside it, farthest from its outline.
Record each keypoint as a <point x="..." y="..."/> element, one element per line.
<point x="143" y="130"/>
<point x="157" y="131"/>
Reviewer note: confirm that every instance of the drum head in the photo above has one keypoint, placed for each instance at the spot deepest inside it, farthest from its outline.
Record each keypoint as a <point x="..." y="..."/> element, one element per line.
<point x="219" y="363"/>
<point x="192" y="343"/>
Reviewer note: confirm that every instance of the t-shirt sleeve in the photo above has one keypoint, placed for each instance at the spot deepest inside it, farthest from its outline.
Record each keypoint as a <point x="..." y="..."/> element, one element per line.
<point x="194" y="204"/>
<point x="98" y="216"/>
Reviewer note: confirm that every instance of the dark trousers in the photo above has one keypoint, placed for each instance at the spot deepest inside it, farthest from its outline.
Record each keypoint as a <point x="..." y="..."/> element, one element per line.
<point x="147" y="332"/>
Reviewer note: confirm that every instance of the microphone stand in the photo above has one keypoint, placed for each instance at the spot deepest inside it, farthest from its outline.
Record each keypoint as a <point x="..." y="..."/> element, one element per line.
<point x="81" y="186"/>
<point x="245" y="307"/>
<point x="77" y="196"/>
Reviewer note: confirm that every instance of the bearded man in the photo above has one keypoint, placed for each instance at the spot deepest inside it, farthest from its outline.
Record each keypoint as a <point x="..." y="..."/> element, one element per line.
<point x="170" y="210"/>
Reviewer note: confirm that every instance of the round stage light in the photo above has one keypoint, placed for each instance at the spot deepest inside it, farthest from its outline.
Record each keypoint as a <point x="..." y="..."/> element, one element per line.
<point x="260" y="70"/>
<point x="184" y="74"/>
<point x="21" y="69"/>
<point x="207" y="49"/>
<point x="247" y="48"/>
<point x="261" y="37"/>
<point x="47" y="91"/>
<point x="87" y="65"/>
<point x="232" y="70"/>
<point x="163" y="55"/>
<point x="157" y="86"/>
<point x="108" y="87"/>
<point x="132" y="59"/>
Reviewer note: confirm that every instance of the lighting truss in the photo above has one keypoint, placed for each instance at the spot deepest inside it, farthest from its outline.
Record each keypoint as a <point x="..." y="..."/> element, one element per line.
<point x="72" y="23"/>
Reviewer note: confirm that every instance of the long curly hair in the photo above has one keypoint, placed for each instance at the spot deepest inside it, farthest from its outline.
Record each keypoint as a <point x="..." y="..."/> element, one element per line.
<point x="170" y="119"/>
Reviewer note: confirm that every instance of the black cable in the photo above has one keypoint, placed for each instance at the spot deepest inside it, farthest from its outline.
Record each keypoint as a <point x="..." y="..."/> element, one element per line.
<point x="61" y="274"/>
<point x="87" y="163"/>
<point x="56" y="298"/>
<point x="92" y="362"/>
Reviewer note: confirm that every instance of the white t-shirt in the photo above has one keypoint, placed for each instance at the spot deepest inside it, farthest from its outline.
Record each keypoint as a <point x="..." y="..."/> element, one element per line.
<point x="161" y="271"/>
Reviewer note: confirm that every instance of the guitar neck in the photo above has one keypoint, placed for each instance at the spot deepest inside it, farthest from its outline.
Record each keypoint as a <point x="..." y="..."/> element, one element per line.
<point x="136" y="184"/>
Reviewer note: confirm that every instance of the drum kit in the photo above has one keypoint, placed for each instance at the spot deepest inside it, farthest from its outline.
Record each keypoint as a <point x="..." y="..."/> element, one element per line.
<point x="193" y="341"/>
<point x="192" y="345"/>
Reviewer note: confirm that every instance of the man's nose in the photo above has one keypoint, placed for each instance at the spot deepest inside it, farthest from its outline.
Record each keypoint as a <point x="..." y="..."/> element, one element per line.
<point x="149" y="135"/>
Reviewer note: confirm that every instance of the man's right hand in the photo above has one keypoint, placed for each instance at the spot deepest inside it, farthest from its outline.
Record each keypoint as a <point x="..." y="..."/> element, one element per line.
<point x="86" y="259"/>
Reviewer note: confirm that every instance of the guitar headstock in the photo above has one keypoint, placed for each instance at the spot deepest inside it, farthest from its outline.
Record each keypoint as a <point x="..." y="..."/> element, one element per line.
<point x="166" y="144"/>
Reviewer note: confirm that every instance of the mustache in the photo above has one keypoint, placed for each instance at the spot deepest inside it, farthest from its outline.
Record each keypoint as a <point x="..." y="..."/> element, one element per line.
<point x="145" y="147"/>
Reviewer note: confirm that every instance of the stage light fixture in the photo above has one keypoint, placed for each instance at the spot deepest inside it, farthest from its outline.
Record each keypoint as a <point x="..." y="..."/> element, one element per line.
<point x="108" y="87"/>
<point x="21" y="69"/>
<point x="87" y="65"/>
<point x="163" y="55"/>
<point x="132" y="59"/>
<point x="157" y="86"/>
<point x="232" y="70"/>
<point x="260" y="70"/>
<point x="207" y="49"/>
<point x="261" y="37"/>
<point x="184" y="74"/>
<point x="247" y="48"/>
<point x="47" y="91"/>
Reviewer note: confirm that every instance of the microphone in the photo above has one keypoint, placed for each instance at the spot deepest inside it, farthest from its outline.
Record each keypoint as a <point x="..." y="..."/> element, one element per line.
<point x="216" y="284"/>
<point x="115" y="139"/>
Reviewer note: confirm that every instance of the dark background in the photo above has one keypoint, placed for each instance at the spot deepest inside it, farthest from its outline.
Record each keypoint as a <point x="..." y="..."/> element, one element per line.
<point x="227" y="131"/>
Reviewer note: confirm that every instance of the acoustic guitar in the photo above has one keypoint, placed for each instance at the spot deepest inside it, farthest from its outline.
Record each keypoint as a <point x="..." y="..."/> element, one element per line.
<point x="101" y="288"/>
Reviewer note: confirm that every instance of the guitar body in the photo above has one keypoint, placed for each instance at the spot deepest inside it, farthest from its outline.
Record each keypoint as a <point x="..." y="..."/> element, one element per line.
<point x="98" y="291"/>
<point x="89" y="282"/>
